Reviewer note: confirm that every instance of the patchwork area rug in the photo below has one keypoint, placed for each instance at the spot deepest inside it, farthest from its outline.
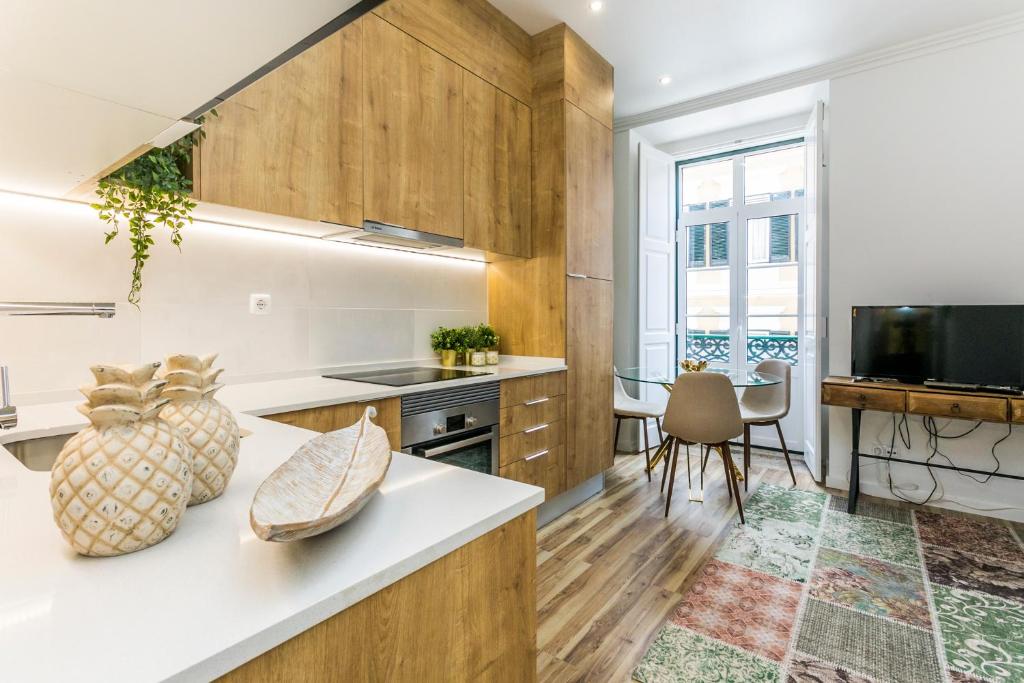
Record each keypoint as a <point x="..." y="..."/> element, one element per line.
<point x="806" y="592"/>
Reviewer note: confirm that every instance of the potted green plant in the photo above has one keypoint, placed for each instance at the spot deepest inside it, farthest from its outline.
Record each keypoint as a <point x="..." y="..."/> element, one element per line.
<point x="488" y="340"/>
<point x="465" y="344"/>
<point x="150" y="191"/>
<point x="445" y="341"/>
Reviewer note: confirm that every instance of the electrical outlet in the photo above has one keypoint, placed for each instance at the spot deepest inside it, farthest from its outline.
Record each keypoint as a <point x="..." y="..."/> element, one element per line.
<point x="259" y="304"/>
<point x="886" y="451"/>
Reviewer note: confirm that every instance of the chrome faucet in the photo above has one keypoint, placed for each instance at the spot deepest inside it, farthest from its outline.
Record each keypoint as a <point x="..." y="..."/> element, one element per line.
<point x="48" y="308"/>
<point x="8" y="413"/>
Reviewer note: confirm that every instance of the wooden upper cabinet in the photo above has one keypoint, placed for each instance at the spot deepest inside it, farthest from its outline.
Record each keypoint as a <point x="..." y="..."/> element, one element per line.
<point x="589" y="449"/>
<point x="565" y="67"/>
<point x="472" y="33"/>
<point x="413" y="132"/>
<point x="497" y="170"/>
<point x="588" y="195"/>
<point x="291" y="143"/>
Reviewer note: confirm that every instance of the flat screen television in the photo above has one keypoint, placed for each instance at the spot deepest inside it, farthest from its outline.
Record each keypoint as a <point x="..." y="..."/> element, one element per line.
<point x="963" y="344"/>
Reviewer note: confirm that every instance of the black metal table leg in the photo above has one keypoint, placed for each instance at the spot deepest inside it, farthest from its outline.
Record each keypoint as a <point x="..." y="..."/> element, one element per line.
<point x="851" y="506"/>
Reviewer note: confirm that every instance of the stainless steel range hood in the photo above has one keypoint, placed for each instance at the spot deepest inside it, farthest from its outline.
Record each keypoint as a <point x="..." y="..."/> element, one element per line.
<point x="375" y="232"/>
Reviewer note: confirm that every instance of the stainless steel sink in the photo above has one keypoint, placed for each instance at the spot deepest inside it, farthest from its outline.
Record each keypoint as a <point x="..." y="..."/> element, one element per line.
<point x="38" y="454"/>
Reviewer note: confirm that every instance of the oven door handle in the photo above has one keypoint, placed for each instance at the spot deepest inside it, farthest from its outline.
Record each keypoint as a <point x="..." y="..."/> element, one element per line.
<point x="449" y="447"/>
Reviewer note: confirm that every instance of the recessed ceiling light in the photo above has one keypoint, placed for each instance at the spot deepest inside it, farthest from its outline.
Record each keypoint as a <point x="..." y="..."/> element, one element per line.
<point x="664" y="80"/>
<point x="596" y="6"/>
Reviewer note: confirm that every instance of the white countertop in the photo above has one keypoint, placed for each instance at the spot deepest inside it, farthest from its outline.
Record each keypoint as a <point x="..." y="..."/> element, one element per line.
<point x="213" y="596"/>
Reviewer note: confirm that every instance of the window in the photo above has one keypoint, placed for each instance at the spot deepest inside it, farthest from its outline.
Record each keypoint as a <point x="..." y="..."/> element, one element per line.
<point x="740" y="302"/>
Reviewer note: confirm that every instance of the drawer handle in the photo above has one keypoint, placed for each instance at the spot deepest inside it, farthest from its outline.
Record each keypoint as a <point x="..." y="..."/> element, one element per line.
<point x="537" y="400"/>
<point x="537" y="455"/>
<point x="955" y="407"/>
<point x="862" y="398"/>
<point x="531" y="430"/>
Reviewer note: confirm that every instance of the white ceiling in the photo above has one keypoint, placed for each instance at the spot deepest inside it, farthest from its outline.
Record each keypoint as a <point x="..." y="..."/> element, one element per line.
<point x="85" y="83"/>
<point x="715" y="45"/>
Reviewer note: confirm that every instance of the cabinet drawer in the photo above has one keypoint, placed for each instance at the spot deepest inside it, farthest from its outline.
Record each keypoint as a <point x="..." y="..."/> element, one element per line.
<point x="966" y="407"/>
<point x="866" y="398"/>
<point x="530" y="441"/>
<point x="1017" y="410"/>
<point x="545" y="468"/>
<point x="540" y="411"/>
<point x="525" y="389"/>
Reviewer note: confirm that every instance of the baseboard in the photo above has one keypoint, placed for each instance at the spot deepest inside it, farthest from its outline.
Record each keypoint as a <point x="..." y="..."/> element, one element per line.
<point x="552" y="509"/>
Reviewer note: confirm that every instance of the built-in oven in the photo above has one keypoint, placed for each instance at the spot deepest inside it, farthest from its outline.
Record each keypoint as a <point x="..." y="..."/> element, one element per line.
<point x="456" y="426"/>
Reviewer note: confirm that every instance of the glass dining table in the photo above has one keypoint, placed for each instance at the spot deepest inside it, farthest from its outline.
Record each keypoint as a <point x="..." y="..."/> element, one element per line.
<point x="740" y="379"/>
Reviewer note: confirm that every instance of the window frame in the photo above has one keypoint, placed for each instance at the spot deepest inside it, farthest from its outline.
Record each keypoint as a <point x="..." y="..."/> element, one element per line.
<point x="736" y="216"/>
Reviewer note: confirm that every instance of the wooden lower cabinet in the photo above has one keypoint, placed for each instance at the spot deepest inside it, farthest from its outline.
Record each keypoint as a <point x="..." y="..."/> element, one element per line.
<point x="545" y="468"/>
<point x="469" y="616"/>
<point x="589" y="451"/>
<point x="330" y="418"/>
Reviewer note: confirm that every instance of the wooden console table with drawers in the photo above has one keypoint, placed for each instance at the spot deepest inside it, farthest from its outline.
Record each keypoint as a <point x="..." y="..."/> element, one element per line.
<point x="915" y="399"/>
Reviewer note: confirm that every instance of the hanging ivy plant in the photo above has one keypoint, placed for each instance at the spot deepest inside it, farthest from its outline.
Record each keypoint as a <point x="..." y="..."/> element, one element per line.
<point x="147" y="193"/>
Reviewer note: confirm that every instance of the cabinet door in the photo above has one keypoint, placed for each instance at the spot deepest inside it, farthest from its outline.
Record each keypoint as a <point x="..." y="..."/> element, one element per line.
<point x="588" y="150"/>
<point x="497" y="170"/>
<point x="589" y="382"/>
<point x="413" y="108"/>
<point x="330" y="418"/>
<point x="292" y="142"/>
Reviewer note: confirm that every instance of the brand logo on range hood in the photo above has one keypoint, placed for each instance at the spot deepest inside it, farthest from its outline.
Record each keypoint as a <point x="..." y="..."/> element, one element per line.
<point x="395" y="235"/>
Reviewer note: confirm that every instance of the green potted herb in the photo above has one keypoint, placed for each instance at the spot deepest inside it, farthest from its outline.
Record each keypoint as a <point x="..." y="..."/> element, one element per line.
<point x="466" y="343"/>
<point x="488" y="341"/>
<point x="445" y="341"/>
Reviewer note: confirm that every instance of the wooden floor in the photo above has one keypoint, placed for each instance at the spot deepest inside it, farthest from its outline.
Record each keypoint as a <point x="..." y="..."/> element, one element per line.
<point x="610" y="571"/>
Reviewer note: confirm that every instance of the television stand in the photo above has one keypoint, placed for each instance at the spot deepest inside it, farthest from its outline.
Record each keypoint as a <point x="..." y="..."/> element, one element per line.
<point x="916" y="399"/>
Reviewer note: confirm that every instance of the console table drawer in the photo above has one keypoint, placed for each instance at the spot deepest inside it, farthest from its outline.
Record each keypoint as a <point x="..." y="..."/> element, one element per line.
<point x="864" y="398"/>
<point x="966" y="407"/>
<point x="1017" y="410"/>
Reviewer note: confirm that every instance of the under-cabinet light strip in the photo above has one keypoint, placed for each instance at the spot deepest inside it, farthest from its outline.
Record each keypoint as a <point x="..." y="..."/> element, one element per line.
<point x="43" y="202"/>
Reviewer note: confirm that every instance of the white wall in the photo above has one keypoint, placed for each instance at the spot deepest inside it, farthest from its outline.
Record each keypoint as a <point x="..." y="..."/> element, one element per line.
<point x="332" y="305"/>
<point x="626" y="170"/>
<point x="925" y="190"/>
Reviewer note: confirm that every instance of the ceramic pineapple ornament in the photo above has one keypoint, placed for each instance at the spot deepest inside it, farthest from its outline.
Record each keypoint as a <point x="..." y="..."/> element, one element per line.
<point x="122" y="483"/>
<point x="209" y="427"/>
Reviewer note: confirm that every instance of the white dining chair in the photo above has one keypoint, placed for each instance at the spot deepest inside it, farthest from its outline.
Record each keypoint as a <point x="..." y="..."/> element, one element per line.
<point x="766" y="406"/>
<point x="629" y="408"/>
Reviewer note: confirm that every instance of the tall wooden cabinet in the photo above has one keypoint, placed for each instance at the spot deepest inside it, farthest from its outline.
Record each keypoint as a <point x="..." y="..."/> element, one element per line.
<point x="588" y="349"/>
<point x="292" y="142"/>
<point x="560" y="302"/>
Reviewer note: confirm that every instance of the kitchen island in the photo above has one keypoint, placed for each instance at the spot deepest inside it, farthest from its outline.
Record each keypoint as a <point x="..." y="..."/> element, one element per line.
<point x="434" y="578"/>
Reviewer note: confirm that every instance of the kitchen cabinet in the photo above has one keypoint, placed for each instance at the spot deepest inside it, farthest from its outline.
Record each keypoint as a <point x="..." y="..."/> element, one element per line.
<point x="472" y="33"/>
<point x="468" y="616"/>
<point x="497" y="170"/>
<point x="589" y="195"/>
<point x="589" y="304"/>
<point x="532" y="448"/>
<point x="413" y="132"/>
<point x="292" y="142"/>
<point x="330" y="418"/>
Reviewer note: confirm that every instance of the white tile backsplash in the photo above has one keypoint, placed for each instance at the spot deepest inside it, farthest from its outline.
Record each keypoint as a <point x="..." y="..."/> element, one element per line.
<point x="332" y="304"/>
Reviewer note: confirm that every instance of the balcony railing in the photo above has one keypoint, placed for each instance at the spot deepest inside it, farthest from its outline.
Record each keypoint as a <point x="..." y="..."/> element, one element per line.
<point x="715" y="348"/>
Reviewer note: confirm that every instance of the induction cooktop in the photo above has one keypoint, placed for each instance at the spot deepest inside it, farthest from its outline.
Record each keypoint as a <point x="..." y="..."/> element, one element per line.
<point x="400" y="377"/>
